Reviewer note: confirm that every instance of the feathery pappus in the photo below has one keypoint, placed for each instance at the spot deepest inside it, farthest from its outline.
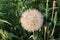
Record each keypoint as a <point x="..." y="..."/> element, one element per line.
<point x="31" y="20"/>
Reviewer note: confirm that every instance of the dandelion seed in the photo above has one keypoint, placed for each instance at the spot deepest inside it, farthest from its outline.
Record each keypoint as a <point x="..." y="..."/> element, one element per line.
<point x="31" y="20"/>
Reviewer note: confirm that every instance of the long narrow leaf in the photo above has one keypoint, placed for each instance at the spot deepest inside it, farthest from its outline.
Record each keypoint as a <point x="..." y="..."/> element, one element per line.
<point x="1" y="20"/>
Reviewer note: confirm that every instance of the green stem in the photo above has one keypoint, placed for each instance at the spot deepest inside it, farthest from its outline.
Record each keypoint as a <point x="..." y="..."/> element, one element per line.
<point x="52" y="13"/>
<point x="44" y="35"/>
<point x="55" y="20"/>
<point x="47" y="9"/>
<point x="46" y="17"/>
<point x="33" y="36"/>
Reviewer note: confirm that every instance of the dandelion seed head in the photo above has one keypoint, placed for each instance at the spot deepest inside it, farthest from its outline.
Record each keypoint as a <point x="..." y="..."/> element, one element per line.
<point x="31" y="20"/>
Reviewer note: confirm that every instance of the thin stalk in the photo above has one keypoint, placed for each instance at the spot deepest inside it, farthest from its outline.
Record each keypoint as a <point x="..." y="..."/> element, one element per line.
<point x="45" y="28"/>
<point x="33" y="36"/>
<point x="47" y="9"/>
<point x="55" y="20"/>
<point x="45" y="31"/>
<point x="53" y="8"/>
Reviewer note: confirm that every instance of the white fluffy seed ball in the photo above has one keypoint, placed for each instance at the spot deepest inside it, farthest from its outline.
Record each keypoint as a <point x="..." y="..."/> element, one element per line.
<point x="31" y="20"/>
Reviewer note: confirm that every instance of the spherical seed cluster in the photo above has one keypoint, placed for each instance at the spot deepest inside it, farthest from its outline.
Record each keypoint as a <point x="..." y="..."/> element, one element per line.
<point x="31" y="20"/>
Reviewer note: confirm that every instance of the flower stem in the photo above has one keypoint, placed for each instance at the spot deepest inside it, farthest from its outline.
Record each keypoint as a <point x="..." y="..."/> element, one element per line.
<point x="33" y="36"/>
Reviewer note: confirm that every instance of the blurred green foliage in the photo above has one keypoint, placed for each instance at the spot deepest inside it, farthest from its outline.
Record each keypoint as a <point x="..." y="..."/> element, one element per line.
<point x="10" y="12"/>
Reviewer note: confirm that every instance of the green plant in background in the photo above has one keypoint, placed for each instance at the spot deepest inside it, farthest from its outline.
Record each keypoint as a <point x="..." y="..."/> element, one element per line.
<point x="10" y="14"/>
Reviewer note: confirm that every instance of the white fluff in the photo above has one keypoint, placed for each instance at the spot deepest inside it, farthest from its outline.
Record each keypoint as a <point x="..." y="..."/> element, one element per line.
<point x="31" y="20"/>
